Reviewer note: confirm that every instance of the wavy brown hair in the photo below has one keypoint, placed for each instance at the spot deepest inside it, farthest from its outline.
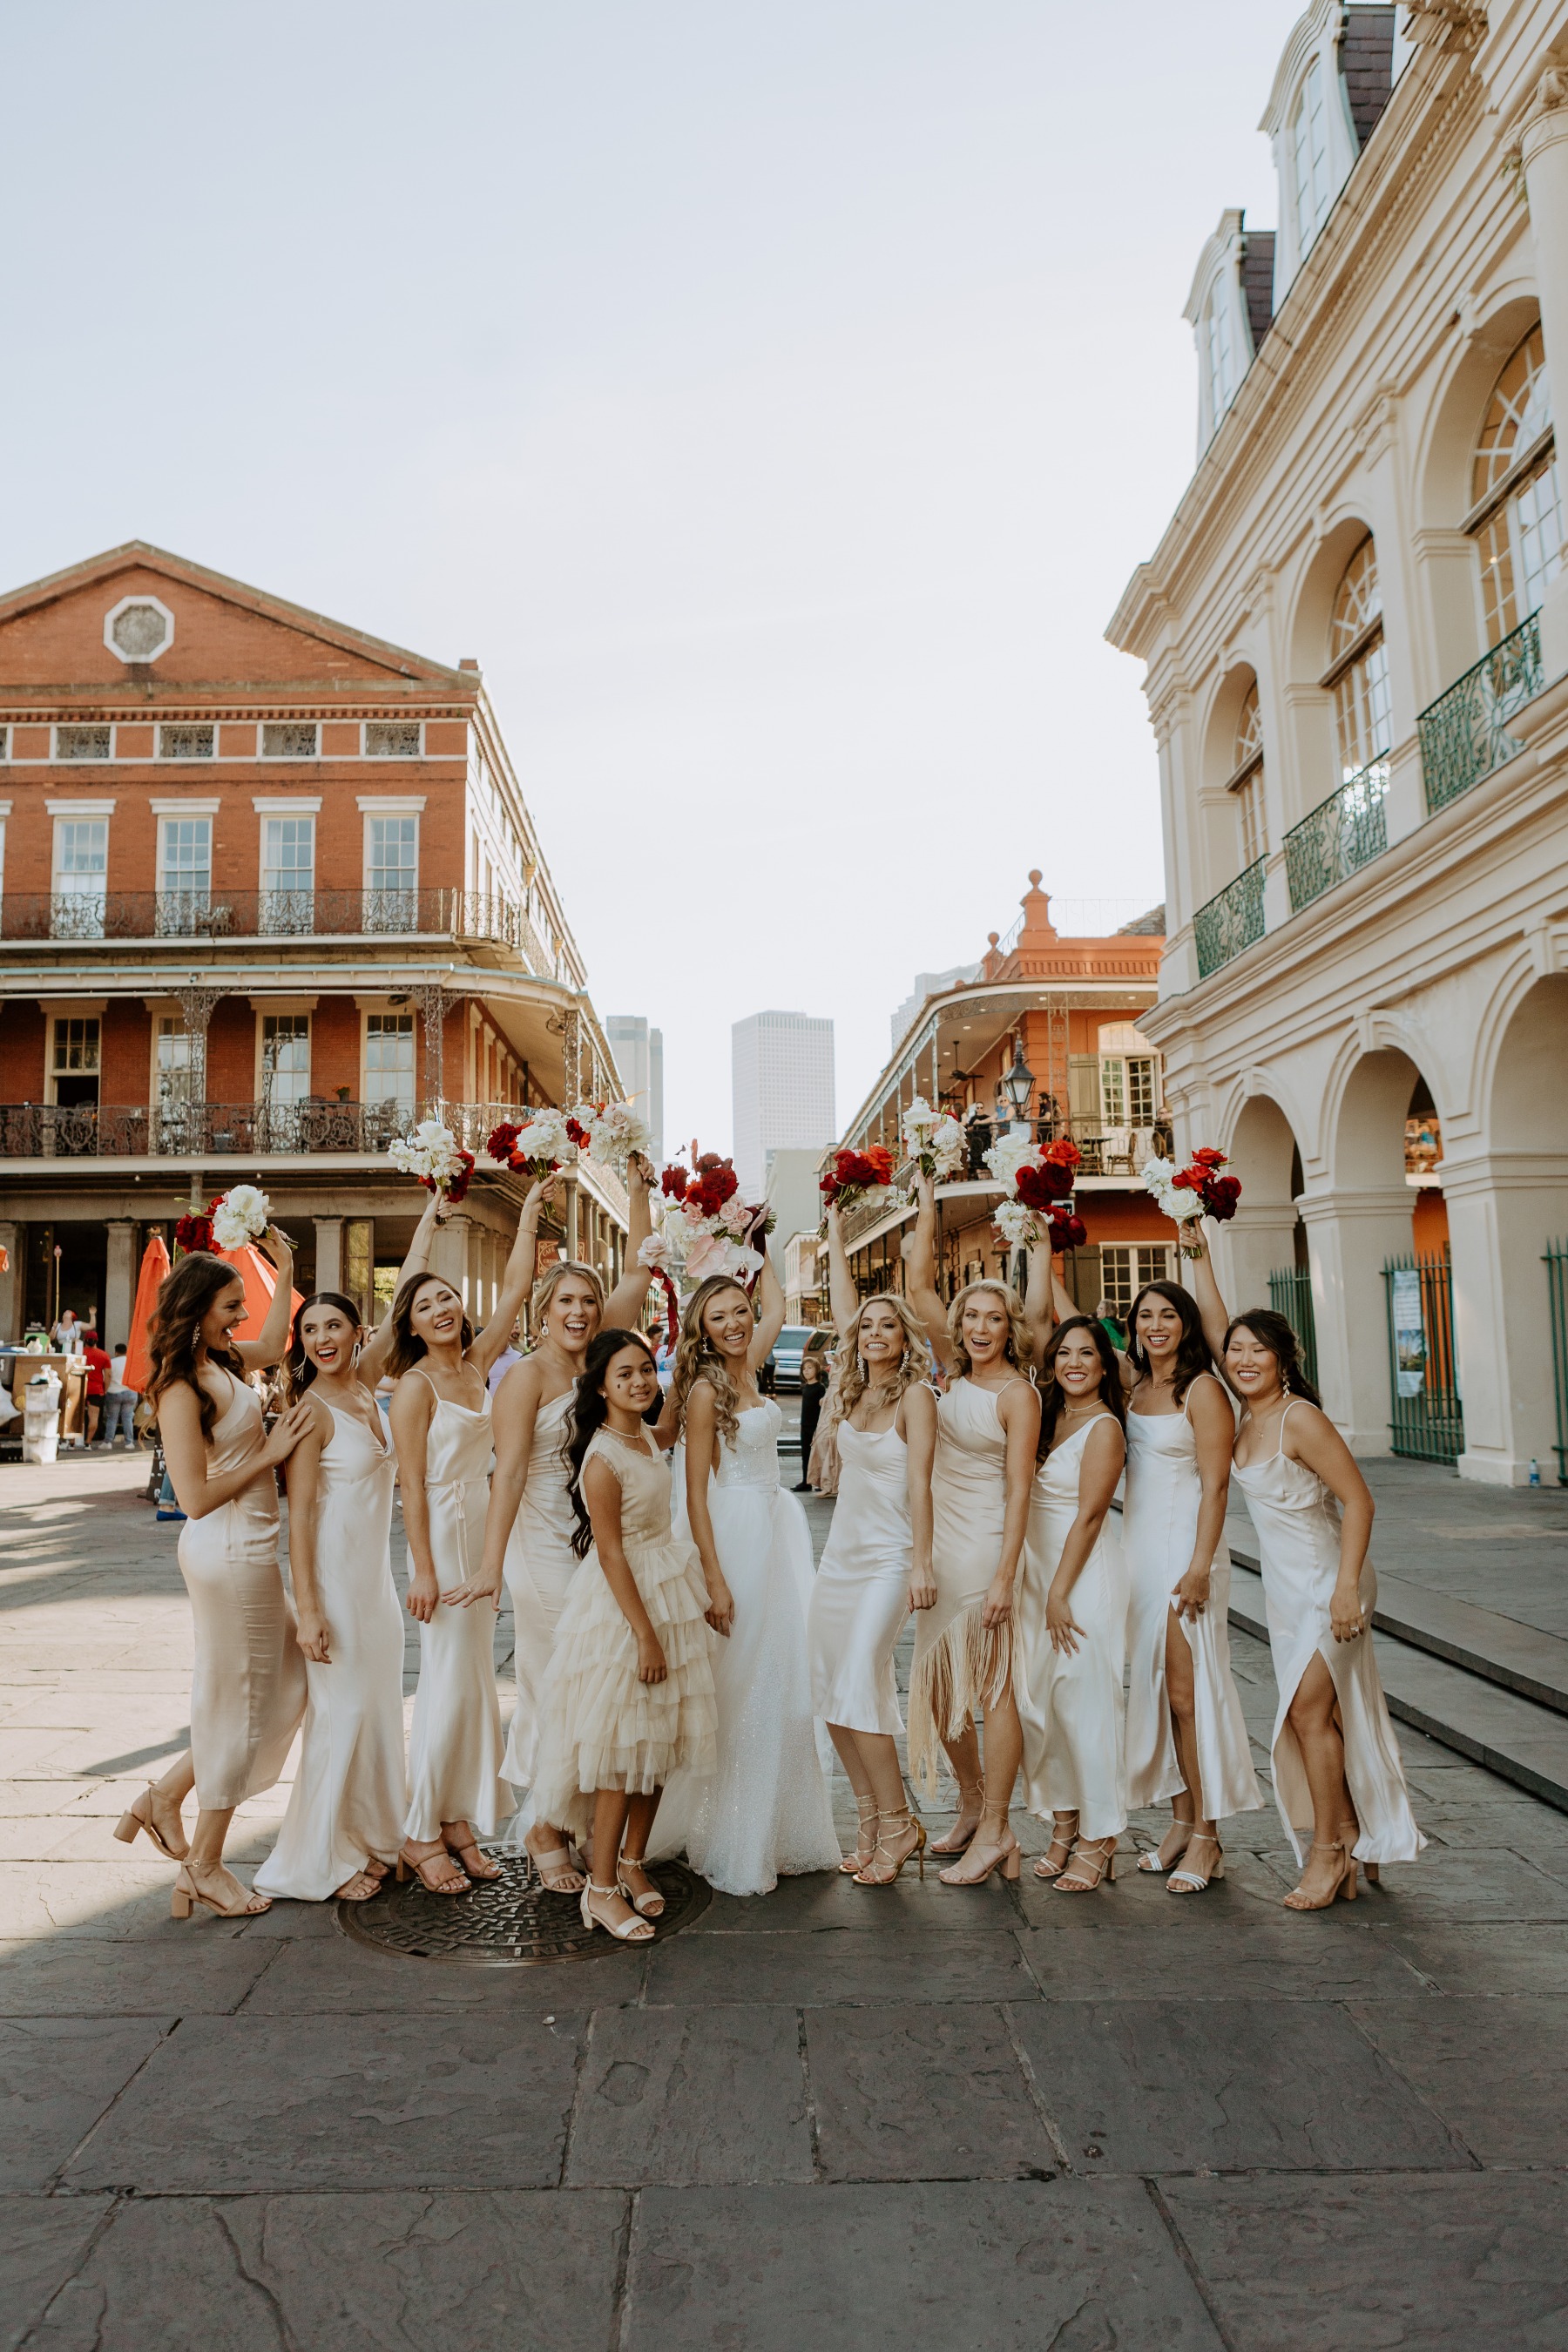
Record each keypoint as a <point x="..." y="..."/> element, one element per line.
<point x="184" y="1297"/>
<point x="697" y="1359"/>
<point x="911" y="1371"/>
<point x="1111" y="1393"/>
<point x="407" y="1347"/>
<point x="1016" y="1349"/>
<point x="299" y="1371"/>
<point x="550" y="1282"/>
<point x="1193" y="1355"/>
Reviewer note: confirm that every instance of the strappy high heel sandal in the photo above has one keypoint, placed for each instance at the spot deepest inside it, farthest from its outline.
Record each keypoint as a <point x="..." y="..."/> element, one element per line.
<point x="884" y="1866"/>
<point x="1003" y="1854"/>
<point x="1093" y="1864"/>
<point x="1159" y="1862"/>
<point x="866" y="1843"/>
<point x="952" y="1842"/>
<point x="1371" y="1871"/>
<point x="1065" y="1839"/>
<point x="1188" y="1881"/>
<point x="625" y="1931"/>
<point x="556" y="1863"/>
<point x="186" y="1893"/>
<point x="139" y="1817"/>
<point x="466" y="1853"/>
<point x="649" y="1905"/>
<point x="452" y="1880"/>
<point x="1344" y="1884"/>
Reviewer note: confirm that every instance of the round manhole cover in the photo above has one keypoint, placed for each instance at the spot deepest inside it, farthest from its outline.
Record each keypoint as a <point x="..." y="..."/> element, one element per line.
<point x="511" y="1921"/>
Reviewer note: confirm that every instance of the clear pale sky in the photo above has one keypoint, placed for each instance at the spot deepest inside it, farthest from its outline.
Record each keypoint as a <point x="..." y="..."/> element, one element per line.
<point x="774" y="398"/>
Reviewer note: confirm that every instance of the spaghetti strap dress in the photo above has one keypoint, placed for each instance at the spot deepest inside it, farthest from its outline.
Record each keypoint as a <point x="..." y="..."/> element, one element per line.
<point x="540" y="1569"/>
<point x="861" y="1596"/>
<point x="958" y="1666"/>
<point x="248" y="1689"/>
<point x="455" y="1745"/>
<point x="1159" y="1526"/>
<point x="350" y="1788"/>
<point x="1069" y="1701"/>
<point x="1298" y="1522"/>
<point x="601" y="1728"/>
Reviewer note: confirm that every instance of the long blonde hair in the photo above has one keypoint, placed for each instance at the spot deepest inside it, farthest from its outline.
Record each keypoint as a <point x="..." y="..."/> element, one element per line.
<point x="697" y="1359"/>
<point x="912" y="1369"/>
<point x="550" y="1282"/>
<point x="1016" y="1347"/>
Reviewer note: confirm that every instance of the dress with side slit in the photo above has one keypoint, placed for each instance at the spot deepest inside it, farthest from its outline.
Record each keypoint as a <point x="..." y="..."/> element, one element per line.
<point x="1164" y="1494"/>
<point x="1298" y="1522"/>
<point x="247" y="1687"/>
<point x="455" y="1745"/>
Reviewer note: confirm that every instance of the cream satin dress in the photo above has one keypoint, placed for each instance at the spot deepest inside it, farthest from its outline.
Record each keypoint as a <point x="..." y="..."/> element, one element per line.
<point x="958" y="1666"/>
<point x="455" y="1745"/>
<point x="1298" y="1522"/>
<point x="247" y="1692"/>
<point x="1159" y="1526"/>
<point x="350" y="1788"/>
<point x="861" y="1596"/>
<point x="540" y="1569"/>
<point x="1069" y="1702"/>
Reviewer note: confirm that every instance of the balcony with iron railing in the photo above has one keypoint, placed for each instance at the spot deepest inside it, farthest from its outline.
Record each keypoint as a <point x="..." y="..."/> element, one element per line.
<point x="1343" y="833"/>
<point x="1466" y="733"/>
<point x="147" y="918"/>
<point x="1231" y="921"/>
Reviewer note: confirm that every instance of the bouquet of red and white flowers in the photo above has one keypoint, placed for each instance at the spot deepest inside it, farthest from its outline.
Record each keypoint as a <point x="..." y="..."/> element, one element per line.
<point x="933" y="1141"/>
<point x="704" y="1226"/>
<point x="859" y="1176"/>
<point x="1196" y="1190"/>
<point x="1039" y="1182"/>
<point x="230" y="1219"/>
<point x="610" y="1132"/>
<point x="434" y="1156"/>
<point x="543" y="1142"/>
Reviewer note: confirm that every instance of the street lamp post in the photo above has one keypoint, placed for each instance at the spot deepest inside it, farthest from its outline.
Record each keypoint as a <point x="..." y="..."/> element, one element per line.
<point x="1018" y="1084"/>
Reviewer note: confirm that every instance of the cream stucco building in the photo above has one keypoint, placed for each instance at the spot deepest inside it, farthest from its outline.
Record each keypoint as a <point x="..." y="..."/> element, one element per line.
<point x="1355" y="629"/>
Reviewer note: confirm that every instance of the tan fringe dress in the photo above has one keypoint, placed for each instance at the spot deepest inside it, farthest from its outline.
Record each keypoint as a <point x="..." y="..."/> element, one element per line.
<point x="958" y="1666"/>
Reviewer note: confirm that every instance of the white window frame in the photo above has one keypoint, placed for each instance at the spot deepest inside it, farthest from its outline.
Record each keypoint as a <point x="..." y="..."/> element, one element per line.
<point x="385" y="1012"/>
<point x="77" y="813"/>
<point x="365" y="726"/>
<point x="1129" y="1258"/>
<point x="52" y="1073"/>
<point x="285" y="1009"/>
<point x="1311" y="196"/>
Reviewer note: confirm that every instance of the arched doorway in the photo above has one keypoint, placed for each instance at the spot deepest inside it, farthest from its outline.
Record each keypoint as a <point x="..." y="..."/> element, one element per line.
<point x="1265" y="1236"/>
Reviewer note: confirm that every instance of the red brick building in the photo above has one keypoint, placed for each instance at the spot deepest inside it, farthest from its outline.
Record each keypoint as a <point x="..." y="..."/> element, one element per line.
<point x="270" y="892"/>
<point x="1065" y="1011"/>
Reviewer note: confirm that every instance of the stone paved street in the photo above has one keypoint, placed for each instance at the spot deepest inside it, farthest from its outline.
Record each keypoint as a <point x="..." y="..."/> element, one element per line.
<point x="829" y="2118"/>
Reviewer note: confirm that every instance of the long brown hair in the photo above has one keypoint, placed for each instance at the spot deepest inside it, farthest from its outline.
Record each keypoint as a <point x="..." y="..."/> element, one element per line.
<point x="1271" y="1331"/>
<point x="697" y="1359"/>
<point x="912" y="1369"/>
<point x="299" y="1371"/>
<point x="1111" y="1390"/>
<point x="1192" y="1350"/>
<point x="173" y="1334"/>
<point x="407" y="1347"/>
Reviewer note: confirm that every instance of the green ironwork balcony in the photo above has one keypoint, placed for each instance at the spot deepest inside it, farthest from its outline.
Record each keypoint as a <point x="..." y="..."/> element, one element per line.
<point x="1346" y="830"/>
<point x="1464" y="734"/>
<point x="1232" y="919"/>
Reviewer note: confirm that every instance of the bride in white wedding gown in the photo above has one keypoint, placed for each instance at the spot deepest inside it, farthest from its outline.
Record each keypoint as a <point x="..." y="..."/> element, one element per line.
<point x="766" y="1812"/>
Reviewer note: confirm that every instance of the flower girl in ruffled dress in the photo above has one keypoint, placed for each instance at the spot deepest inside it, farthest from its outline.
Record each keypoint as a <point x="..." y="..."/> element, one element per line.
<point x="628" y="1689"/>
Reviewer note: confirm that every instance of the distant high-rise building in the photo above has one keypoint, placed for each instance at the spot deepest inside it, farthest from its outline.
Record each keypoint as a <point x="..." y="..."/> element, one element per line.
<point x="782" y="1090"/>
<point x="639" y="1057"/>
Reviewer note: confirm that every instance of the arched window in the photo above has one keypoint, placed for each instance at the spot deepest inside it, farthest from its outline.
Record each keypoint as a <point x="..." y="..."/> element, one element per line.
<point x="1518" y="511"/>
<point x="1358" y="659"/>
<point x="1246" y="781"/>
<point x="1310" y="154"/>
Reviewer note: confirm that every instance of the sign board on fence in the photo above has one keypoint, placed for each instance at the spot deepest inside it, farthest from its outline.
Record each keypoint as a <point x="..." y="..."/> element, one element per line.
<point x="1409" y="1332"/>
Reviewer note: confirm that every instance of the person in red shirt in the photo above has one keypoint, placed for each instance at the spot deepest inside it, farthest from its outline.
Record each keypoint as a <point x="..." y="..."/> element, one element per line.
<point x="97" y="1361"/>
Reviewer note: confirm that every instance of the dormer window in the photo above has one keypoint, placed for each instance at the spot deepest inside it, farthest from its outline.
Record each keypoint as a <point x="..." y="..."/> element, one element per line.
<point x="1309" y="154"/>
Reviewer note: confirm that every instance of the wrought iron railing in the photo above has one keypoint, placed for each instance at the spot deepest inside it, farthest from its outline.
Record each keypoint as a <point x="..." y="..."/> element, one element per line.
<point x="1466" y="733"/>
<point x="215" y="914"/>
<point x="1425" y="1413"/>
<point x="1231" y="921"/>
<point x="1346" y="830"/>
<point x="186" y="1130"/>
<point x="1290" y="1295"/>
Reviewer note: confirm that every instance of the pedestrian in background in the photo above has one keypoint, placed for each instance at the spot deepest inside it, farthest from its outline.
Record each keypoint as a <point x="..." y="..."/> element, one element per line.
<point x="811" y="1392"/>
<point x="97" y="1361"/>
<point x="120" y="1402"/>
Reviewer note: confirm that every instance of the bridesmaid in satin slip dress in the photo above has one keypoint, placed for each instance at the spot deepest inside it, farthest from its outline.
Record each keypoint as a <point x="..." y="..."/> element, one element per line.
<point x="1070" y="1636"/>
<point x="1338" y="1779"/>
<point x="529" y="1531"/>
<point x="247" y="1692"/>
<point x="441" y="1428"/>
<point x="1186" y="1734"/>
<point x="877" y="1563"/>
<point x="344" y="1823"/>
<point x="988" y="1421"/>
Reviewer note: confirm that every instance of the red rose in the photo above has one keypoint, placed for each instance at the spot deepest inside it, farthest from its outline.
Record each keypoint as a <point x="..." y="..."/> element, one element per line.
<point x="1207" y="1157"/>
<point x="504" y="1141"/>
<point x="880" y="1161"/>
<point x="194" y="1233"/>
<point x="1064" y="1153"/>
<point x="1068" y="1233"/>
<point x="1221" y="1194"/>
<point x="461" y="1182"/>
<point x="578" y="1134"/>
<point x="1187" y="1180"/>
<point x="672" y="1183"/>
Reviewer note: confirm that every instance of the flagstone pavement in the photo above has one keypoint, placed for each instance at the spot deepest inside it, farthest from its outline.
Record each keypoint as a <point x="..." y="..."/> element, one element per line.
<point x="826" y="2118"/>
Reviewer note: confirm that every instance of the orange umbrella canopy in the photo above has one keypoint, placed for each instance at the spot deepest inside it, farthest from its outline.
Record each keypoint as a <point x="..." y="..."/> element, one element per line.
<point x="260" y="1276"/>
<point x="154" y="1268"/>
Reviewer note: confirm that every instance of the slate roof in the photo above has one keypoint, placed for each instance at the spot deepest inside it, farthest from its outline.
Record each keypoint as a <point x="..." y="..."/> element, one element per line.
<point x="1258" y="281"/>
<point x="1366" y="61"/>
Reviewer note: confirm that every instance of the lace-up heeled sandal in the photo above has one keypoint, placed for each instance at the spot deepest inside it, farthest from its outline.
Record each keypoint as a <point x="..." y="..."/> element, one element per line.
<point x="866" y="1843"/>
<point x="1062" y="1842"/>
<point x="958" y="1839"/>
<point x="886" y="1862"/>
<point x="649" y="1905"/>
<point x="1093" y="1864"/>
<point x="625" y="1931"/>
